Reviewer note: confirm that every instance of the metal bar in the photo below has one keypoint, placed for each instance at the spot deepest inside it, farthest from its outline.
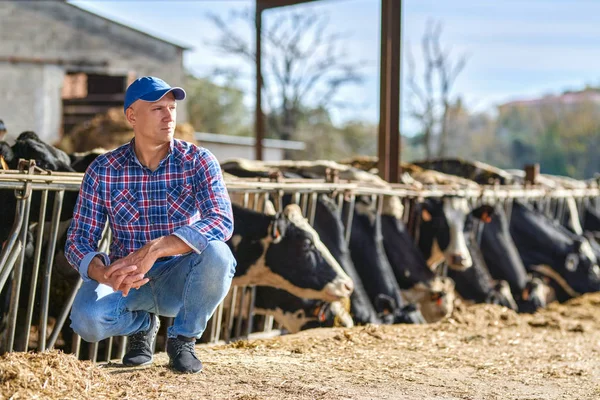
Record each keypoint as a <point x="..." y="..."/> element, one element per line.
<point x="349" y="218"/>
<point x="7" y="252"/>
<point x="76" y="345"/>
<point x="63" y="315"/>
<point x="36" y="264"/>
<point x="93" y="352"/>
<point x="108" y="349"/>
<point x="58" y="199"/>
<point x="238" y="325"/>
<point x="389" y="92"/>
<point x="259" y="122"/>
<point x="123" y="347"/>
<point x="218" y="321"/>
<point x="249" y="327"/>
<point x="17" y="278"/>
<point x="231" y="313"/>
<point x="268" y="325"/>
<point x="313" y="208"/>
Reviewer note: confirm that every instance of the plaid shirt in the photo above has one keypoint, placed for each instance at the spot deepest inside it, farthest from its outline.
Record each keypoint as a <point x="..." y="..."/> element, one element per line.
<point x="185" y="196"/>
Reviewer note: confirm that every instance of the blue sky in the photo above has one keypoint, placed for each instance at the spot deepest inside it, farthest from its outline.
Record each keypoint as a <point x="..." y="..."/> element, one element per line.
<point x="515" y="48"/>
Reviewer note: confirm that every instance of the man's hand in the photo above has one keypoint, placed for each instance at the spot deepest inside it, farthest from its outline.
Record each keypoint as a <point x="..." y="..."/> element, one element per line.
<point x="128" y="272"/>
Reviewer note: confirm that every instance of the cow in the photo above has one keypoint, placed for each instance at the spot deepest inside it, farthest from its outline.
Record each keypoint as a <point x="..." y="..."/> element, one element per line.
<point x="476" y="283"/>
<point x="285" y="252"/>
<point x="550" y="250"/>
<point x="295" y="314"/>
<point x="418" y="283"/>
<point x="504" y="263"/>
<point x="331" y="230"/>
<point x="441" y="231"/>
<point x="368" y="254"/>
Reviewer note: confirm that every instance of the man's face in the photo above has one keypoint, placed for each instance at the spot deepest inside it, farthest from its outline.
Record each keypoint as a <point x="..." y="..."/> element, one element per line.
<point x="154" y="122"/>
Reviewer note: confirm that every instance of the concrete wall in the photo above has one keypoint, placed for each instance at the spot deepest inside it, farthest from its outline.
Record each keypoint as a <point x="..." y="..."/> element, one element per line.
<point x="54" y="37"/>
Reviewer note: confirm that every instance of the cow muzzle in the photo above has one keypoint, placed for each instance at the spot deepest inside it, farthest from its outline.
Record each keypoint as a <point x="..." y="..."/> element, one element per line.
<point x="459" y="262"/>
<point x="339" y="288"/>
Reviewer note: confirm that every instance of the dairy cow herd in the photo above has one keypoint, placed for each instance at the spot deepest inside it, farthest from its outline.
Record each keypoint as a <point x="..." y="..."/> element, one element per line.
<point x="394" y="264"/>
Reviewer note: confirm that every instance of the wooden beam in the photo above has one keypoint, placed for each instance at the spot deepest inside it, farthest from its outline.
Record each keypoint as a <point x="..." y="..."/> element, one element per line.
<point x="389" y="103"/>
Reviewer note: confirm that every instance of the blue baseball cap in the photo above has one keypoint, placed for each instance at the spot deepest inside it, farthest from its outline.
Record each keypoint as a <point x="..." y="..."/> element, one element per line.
<point x="149" y="88"/>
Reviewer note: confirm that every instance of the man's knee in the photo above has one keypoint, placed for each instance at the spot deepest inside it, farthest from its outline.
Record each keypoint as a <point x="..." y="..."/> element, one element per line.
<point x="90" y="320"/>
<point x="218" y="259"/>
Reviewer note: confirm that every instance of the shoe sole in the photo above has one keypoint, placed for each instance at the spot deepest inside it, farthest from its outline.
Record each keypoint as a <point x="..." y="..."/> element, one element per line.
<point x="184" y="372"/>
<point x="153" y="348"/>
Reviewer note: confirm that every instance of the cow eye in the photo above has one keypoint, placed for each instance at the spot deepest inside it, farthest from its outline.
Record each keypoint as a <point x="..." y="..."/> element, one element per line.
<point x="306" y="244"/>
<point x="571" y="262"/>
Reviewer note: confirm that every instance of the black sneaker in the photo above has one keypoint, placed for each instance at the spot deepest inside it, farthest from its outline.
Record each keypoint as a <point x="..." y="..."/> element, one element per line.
<point x="140" y="345"/>
<point x="182" y="355"/>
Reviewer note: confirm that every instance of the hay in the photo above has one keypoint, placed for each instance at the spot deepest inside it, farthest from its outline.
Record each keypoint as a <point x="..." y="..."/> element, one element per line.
<point x="109" y="131"/>
<point x="51" y="375"/>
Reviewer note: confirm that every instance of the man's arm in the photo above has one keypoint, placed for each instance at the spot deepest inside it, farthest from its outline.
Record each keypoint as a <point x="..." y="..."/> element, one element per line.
<point x="215" y="207"/>
<point x="87" y="225"/>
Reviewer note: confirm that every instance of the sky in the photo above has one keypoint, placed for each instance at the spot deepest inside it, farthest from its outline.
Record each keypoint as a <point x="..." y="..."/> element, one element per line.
<point x="515" y="49"/>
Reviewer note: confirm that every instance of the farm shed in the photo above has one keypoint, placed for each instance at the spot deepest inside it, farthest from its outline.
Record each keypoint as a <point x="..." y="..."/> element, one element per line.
<point x="60" y="65"/>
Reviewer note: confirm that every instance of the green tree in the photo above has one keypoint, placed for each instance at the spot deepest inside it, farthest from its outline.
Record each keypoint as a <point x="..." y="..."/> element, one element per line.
<point x="217" y="108"/>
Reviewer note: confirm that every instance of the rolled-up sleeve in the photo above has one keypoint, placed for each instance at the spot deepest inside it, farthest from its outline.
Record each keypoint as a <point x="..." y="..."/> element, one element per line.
<point x="214" y="205"/>
<point x="87" y="225"/>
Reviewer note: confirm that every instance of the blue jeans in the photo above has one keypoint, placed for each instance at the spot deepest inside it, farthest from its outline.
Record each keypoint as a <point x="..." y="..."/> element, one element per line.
<point x="187" y="287"/>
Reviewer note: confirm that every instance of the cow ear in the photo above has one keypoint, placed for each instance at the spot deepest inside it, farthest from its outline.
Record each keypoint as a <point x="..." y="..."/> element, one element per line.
<point x="278" y="228"/>
<point x="484" y="213"/>
<point x="426" y="215"/>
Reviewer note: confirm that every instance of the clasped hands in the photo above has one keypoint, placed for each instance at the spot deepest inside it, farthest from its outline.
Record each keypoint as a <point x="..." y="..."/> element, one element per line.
<point x="129" y="272"/>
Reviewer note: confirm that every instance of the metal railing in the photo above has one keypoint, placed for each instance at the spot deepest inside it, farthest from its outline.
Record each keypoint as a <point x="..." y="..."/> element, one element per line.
<point x="228" y="321"/>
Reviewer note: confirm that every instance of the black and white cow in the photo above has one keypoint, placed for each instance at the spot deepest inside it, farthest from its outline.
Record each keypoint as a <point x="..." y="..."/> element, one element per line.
<point x="504" y="263"/>
<point x="476" y="283"/>
<point x="441" y="231"/>
<point x="549" y="249"/>
<point x="331" y="230"/>
<point x="295" y="314"/>
<point x="368" y="254"/>
<point x="285" y="252"/>
<point x="418" y="283"/>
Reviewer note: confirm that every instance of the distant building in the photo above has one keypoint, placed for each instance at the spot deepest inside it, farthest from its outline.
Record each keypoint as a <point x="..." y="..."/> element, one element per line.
<point x="61" y="65"/>
<point x="225" y="147"/>
<point x="565" y="99"/>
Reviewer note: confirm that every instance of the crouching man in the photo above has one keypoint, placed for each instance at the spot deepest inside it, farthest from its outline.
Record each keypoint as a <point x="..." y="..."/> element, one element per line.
<point x="170" y="215"/>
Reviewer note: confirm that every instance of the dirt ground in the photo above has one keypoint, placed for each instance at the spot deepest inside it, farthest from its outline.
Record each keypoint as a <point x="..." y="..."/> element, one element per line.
<point x="481" y="352"/>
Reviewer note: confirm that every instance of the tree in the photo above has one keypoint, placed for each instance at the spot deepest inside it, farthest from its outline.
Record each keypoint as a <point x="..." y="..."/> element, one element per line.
<point x="303" y="65"/>
<point x="430" y="102"/>
<point x="217" y="108"/>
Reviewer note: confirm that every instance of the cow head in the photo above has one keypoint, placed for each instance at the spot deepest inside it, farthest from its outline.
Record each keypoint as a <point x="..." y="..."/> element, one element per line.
<point x="442" y="228"/>
<point x="435" y="298"/>
<point x="285" y="252"/>
<point x="296" y="314"/>
<point x="551" y="250"/>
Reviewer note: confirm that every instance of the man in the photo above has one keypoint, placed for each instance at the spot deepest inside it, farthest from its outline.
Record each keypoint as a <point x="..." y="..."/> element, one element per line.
<point x="170" y="215"/>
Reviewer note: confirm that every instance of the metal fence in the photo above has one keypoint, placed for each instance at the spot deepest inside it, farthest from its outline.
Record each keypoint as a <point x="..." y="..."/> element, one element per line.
<point x="234" y="318"/>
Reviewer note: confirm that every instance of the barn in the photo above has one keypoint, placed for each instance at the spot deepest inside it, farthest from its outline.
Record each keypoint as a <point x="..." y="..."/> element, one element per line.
<point x="60" y="65"/>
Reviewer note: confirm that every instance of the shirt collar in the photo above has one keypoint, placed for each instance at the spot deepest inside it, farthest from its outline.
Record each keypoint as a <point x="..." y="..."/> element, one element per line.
<point x="131" y="156"/>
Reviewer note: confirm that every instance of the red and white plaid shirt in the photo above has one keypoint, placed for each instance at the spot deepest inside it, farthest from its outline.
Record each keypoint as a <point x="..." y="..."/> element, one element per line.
<point x="185" y="196"/>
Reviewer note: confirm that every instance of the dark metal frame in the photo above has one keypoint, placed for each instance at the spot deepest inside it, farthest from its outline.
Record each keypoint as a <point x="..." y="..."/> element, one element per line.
<point x="389" y="107"/>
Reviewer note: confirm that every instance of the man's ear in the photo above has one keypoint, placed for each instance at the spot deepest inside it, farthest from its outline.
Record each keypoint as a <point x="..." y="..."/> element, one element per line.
<point x="484" y="213"/>
<point x="130" y="115"/>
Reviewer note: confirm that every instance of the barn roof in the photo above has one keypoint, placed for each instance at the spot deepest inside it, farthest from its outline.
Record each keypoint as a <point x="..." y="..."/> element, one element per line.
<point x="178" y="45"/>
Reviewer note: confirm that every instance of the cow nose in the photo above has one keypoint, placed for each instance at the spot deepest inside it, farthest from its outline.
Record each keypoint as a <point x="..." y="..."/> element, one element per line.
<point x="457" y="259"/>
<point x="349" y="285"/>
